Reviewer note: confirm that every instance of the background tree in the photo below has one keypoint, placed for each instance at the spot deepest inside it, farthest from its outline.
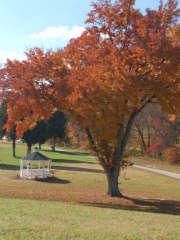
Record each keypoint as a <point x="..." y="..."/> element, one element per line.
<point x="3" y="121"/>
<point x="144" y="125"/>
<point x="56" y="127"/>
<point x="166" y="133"/>
<point x="158" y="133"/>
<point x="75" y="135"/>
<point x="12" y="135"/>
<point x="39" y="134"/>
<point x="31" y="138"/>
<point x="42" y="136"/>
<point x="3" y="118"/>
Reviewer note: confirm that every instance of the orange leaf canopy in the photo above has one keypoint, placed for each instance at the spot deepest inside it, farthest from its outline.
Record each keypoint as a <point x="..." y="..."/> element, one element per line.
<point x="34" y="88"/>
<point x="123" y="61"/>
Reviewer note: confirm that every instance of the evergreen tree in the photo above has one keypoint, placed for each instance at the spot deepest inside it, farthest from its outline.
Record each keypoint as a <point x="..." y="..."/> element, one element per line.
<point x="31" y="138"/>
<point x="56" y="127"/>
<point x="42" y="132"/>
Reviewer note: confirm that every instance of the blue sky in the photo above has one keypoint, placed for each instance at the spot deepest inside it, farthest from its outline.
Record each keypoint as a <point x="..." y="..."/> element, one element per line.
<point x="44" y="23"/>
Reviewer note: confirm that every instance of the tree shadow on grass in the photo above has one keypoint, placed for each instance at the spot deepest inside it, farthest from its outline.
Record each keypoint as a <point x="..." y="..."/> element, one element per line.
<point x="60" y="160"/>
<point x="9" y="167"/>
<point x="53" y="180"/>
<point x="82" y="154"/>
<point x="73" y="153"/>
<point x="56" y="160"/>
<point x="70" y="152"/>
<point x="171" y="207"/>
<point x="77" y="169"/>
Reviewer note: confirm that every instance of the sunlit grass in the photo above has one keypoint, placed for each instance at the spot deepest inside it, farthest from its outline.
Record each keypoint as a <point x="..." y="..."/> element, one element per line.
<point x="23" y="219"/>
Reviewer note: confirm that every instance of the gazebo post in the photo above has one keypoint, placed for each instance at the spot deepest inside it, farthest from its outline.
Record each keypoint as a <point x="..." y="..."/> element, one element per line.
<point x="21" y="169"/>
<point x="48" y="169"/>
<point x="27" y="167"/>
<point x="39" y="165"/>
<point x="43" y="169"/>
<point x="31" y="169"/>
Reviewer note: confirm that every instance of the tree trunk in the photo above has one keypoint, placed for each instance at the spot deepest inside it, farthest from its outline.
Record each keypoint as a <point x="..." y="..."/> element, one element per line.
<point x="149" y="136"/>
<point x="112" y="178"/>
<point x="111" y="173"/>
<point x="122" y="138"/>
<point x="14" y="147"/>
<point x="28" y="148"/>
<point x="39" y="145"/>
<point x="54" y="143"/>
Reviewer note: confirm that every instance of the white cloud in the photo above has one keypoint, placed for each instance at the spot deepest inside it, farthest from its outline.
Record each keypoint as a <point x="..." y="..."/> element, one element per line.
<point x="59" y="32"/>
<point x="11" y="55"/>
<point x="104" y="36"/>
<point x="75" y="32"/>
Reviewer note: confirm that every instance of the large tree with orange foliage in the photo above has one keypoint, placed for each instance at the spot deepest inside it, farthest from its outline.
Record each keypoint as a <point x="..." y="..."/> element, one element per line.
<point x="105" y="78"/>
<point x="122" y="62"/>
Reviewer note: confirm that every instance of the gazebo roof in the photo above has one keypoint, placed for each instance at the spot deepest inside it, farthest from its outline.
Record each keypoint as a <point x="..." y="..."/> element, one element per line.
<point x="35" y="156"/>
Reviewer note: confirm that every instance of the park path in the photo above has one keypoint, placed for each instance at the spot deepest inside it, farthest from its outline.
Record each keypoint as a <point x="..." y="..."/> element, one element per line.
<point x="170" y="174"/>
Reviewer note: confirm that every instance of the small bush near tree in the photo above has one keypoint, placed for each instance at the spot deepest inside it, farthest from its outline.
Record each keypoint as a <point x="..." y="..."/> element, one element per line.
<point x="172" y="154"/>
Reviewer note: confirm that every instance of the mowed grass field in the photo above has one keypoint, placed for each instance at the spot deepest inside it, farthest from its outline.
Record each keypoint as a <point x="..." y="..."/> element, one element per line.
<point x="73" y="205"/>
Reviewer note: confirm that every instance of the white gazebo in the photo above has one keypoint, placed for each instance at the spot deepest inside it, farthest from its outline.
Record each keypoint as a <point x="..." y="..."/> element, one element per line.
<point x="35" y="165"/>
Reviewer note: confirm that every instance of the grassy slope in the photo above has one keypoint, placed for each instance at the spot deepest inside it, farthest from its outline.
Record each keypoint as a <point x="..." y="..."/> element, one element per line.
<point x="73" y="205"/>
<point x="46" y="220"/>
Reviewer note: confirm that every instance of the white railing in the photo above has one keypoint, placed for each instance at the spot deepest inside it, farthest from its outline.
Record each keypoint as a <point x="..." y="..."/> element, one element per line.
<point x="35" y="173"/>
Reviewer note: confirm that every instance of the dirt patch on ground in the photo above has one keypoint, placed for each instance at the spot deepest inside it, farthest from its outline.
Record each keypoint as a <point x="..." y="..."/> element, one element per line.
<point x="16" y="177"/>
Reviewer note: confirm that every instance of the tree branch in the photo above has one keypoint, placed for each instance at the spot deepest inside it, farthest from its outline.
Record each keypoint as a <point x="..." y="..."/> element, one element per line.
<point x="130" y="122"/>
<point x="92" y="144"/>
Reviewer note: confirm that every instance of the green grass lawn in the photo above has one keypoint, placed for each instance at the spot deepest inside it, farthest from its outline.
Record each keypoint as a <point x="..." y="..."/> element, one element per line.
<point x="73" y="205"/>
<point x="23" y="219"/>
